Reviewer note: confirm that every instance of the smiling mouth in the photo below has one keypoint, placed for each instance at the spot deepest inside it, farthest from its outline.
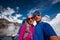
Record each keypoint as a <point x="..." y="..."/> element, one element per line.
<point x="36" y="18"/>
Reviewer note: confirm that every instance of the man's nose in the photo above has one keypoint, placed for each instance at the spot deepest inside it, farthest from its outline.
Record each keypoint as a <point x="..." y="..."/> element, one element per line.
<point x="36" y="16"/>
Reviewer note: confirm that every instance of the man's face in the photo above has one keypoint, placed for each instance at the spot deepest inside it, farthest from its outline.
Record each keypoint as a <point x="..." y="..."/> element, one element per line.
<point x="38" y="18"/>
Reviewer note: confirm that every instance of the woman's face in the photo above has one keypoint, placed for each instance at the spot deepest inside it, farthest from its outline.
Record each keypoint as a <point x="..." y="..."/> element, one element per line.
<point x="30" y="20"/>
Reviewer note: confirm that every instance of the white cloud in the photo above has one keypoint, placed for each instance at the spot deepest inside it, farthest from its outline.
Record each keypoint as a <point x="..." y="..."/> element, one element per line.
<point x="55" y="1"/>
<point x="24" y="18"/>
<point x="15" y="19"/>
<point x="17" y="8"/>
<point x="8" y="11"/>
<point x="56" y="19"/>
<point x="46" y="18"/>
<point x="19" y="21"/>
<point x="18" y="15"/>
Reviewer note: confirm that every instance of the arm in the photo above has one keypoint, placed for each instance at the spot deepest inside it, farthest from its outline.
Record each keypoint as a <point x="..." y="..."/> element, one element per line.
<point x="22" y="33"/>
<point x="49" y="31"/>
<point x="54" y="38"/>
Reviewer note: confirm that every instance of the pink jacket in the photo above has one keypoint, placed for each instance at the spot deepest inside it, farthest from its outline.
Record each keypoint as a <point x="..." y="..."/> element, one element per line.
<point x="23" y="31"/>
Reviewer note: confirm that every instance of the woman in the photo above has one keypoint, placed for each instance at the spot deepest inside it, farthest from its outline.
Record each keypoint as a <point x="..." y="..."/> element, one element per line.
<point x="27" y="29"/>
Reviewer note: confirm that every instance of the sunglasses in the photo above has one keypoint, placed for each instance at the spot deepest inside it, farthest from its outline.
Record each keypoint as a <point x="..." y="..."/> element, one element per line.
<point x="36" y="15"/>
<point x="30" y="18"/>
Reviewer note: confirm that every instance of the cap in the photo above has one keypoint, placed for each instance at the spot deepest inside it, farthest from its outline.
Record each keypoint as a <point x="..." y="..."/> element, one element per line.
<point x="36" y="13"/>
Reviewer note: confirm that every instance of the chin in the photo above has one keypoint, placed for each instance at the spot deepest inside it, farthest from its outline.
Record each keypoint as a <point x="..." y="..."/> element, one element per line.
<point x="31" y="23"/>
<point x="38" y="20"/>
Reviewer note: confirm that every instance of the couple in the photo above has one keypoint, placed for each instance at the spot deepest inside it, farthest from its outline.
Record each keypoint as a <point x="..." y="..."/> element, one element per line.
<point x="42" y="31"/>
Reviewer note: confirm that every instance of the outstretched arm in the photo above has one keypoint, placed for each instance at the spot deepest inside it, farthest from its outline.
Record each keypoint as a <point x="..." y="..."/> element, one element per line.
<point x="54" y="38"/>
<point x="49" y="31"/>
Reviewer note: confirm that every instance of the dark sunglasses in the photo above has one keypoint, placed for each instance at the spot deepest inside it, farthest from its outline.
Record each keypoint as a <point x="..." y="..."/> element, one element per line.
<point x="30" y="18"/>
<point x="36" y="15"/>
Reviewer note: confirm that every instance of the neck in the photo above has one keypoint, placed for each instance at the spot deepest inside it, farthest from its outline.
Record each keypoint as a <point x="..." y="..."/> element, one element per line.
<point x="31" y="25"/>
<point x="38" y="22"/>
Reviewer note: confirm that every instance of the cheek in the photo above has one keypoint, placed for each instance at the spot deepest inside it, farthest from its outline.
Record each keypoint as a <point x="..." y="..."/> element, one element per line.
<point x="40" y="17"/>
<point x="35" y="18"/>
<point x="31" y="21"/>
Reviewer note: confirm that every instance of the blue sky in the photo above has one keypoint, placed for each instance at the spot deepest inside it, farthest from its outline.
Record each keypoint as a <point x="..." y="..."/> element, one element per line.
<point x="46" y="7"/>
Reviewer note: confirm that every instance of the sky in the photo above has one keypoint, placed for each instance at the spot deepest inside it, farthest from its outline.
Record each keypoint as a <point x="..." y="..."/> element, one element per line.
<point x="17" y="10"/>
<point x="23" y="7"/>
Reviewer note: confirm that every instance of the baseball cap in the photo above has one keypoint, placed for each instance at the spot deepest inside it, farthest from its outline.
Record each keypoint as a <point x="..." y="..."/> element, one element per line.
<point x="36" y="13"/>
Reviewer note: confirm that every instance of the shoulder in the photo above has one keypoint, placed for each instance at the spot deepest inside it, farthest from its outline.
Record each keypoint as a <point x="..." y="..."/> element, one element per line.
<point x="45" y="24"/>
<point x="24" y="26"/>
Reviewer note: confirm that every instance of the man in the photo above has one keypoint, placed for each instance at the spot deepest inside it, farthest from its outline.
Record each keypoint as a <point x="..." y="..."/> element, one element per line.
<point x="43" y="31"/>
